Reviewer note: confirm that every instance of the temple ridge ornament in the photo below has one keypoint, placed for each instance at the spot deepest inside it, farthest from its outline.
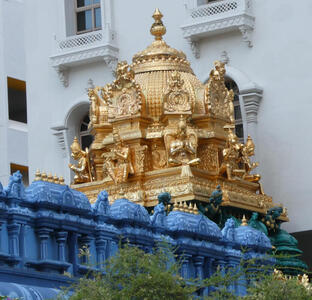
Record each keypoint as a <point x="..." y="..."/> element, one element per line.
<point x="176" y="100"/>
<point x="124" y="95"/>
<point x="84" y="168"/>
<point x="218" y="99"/>
<point x="98" y="112"/>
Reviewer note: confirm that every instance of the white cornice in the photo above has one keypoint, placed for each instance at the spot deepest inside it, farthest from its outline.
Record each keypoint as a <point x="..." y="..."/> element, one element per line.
<point x="217" y="18"/>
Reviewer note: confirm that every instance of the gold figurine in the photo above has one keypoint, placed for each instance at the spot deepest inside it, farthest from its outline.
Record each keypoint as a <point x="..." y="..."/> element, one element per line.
<point x="117" y="162"/>
<point x="83" y="168"/>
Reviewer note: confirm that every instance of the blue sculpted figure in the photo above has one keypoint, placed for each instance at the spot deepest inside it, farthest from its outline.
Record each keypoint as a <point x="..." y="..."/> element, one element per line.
<point x="161" y="209"/>
<point x="101" y="205"/>
<point x="15" y="187"/>
<point x="165" y="199"/>
<point x="228" y="231"/>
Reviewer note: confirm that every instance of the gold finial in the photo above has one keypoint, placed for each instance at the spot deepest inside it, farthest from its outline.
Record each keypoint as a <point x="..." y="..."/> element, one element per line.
<point x="50" y="177"/>
<point x="185" y="208"/>
<point x="180" y="208"/>
<point x="191" y="209"/>
<point x="44" y="176"/>
<point x="56" y="179"/>
<point x="37" y="175"/>
<point x="175" y="206"/>
<point x="62" y="181"/>
<point x="244" y="221"/>
<point x="195" y="209"/>
<point x="158" y="29"/>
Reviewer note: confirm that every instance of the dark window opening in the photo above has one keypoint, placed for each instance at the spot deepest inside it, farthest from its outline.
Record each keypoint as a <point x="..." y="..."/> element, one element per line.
<point x="239" y="128"/>
<point x="17" y="100"/>
<point x="86" y="138"/>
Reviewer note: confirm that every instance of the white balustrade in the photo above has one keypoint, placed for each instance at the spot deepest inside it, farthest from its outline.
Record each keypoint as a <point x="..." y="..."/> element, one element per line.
<point x="83" y="48"/>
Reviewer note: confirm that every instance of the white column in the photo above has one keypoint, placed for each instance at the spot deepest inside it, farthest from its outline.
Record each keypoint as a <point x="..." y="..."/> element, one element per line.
<point x="251" y="100"/>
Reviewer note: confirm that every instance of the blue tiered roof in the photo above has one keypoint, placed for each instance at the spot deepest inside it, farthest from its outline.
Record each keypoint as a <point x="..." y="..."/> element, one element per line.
<point x="44" y="226"/>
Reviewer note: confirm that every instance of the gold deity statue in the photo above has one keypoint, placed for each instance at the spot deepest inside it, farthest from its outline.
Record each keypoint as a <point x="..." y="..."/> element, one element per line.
<point x="83" y="169"/>
<point x="117" y="164"/>
<point x="236" y="159"/>
<point x="181" y="145"/>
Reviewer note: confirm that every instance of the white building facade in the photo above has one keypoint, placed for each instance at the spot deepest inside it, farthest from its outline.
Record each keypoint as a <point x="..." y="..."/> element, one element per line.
<point x="59" y="48"/>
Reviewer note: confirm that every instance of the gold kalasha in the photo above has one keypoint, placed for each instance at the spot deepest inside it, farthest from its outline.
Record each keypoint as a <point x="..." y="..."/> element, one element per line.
<point x="157" y="128"/>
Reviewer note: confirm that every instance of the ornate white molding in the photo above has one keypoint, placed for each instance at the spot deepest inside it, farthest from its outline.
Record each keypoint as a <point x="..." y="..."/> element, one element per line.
<point x="63" y="74"/>
<point x="60" y="134"/>
<point x="219" y="17"/>
<point x="84" y="48"/>
<point x="251" y="99"/>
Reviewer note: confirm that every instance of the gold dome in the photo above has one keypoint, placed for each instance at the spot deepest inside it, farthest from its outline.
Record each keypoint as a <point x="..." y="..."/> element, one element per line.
<point x="153" y="68"/>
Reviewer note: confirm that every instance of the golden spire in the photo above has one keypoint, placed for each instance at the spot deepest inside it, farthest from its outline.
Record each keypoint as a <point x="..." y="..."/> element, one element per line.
<point x="38" y="175"/>
<point x="244" y="221"/>
<point x="50" y="177"/>
<point x="195" y="209"/>
<point x="62" y="181"/>
<point x="175" y="206"/>
<point x="44" y="176"/>
<point x="158" y="29"/>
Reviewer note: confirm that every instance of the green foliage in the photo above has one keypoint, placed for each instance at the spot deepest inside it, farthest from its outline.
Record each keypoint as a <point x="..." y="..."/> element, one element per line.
<point x="134" y="274"/>
<point x="272" y="288"/>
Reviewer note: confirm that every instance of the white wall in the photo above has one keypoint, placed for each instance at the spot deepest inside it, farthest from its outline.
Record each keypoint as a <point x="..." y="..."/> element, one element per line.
<point x="14" y="146"/>
<point x="279" y="62"/>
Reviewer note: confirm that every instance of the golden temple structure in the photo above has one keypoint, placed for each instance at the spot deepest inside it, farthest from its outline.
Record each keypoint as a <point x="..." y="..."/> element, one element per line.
<point x="157" y="128"/>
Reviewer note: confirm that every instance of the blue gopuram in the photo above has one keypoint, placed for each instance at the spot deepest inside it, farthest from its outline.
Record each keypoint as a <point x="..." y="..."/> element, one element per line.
<point x="44" y="226"/>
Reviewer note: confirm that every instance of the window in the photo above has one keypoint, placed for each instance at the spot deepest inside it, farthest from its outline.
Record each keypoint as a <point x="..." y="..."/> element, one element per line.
<point x="239" y="129"/>
<point x="88" y="15"/>
<point x="23" y="170"/>
<point x="85" y="136"/>
<point x="17" y="100"/>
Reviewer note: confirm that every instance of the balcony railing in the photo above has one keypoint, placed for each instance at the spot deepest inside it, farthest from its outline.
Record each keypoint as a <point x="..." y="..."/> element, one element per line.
<point x="83" y="40"/>
<point x="214" y="8"/>
<point x="80" y="49"/>
<point x="219" y="17"/>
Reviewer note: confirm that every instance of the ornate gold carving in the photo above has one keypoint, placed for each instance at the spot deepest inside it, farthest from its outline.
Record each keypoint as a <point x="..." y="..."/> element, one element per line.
<point x="177" y="99"/>
<point x="140" y="153"/>
<point x="117" y="164"/>
<point x="83" y="169"/>
<point x="208" y="155"/>
<point x="98" y="111"/>
<point x="218" y="100"/>
<point x="159" y="157"/>
<point x="124" y="95"/>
